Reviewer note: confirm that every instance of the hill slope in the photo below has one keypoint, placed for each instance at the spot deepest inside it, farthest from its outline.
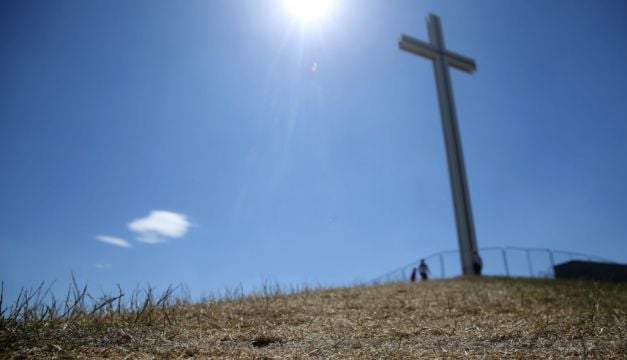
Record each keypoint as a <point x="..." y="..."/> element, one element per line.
<point x="458" y="317"/>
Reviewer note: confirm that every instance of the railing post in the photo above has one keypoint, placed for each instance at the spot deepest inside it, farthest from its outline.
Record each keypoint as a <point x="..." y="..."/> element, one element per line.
<point x="504" y="252"/>
<point x="529" y="263"/>
<point x="442" y="265"/>
<point x="552" y="262"/>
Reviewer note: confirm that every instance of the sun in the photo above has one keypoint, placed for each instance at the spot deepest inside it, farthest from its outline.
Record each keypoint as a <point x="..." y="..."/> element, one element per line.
<point x="309" y="11"/>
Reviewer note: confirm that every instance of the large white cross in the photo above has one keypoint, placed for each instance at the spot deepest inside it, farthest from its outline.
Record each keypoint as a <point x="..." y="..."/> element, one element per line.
<point x="442" y="59"/>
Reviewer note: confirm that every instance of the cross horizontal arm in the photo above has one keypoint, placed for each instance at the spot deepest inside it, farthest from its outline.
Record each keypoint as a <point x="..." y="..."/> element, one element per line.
<point x="418" y="47"/>
<point x="460" y="62"/>
<point x="427" y="50"/>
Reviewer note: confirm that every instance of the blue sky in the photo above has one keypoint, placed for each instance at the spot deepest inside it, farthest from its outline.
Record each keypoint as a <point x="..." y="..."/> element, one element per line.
<point x="218" y="143"/>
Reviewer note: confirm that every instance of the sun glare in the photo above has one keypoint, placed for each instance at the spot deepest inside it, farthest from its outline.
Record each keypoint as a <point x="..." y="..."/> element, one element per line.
<point x="309" y="11"/>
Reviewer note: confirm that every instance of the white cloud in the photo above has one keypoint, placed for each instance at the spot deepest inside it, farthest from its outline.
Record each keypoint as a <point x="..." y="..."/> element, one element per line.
<point x="159" y="226"/>
<point x="113" y="241"/>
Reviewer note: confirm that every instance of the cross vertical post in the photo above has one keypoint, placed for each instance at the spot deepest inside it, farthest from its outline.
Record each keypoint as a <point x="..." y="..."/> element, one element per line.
<point x="442" y="58"/>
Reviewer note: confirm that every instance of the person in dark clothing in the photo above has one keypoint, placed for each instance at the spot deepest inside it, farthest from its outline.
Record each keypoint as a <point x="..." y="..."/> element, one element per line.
<point x="477" y="263"/>
<point x="413" y="275"/>
<point x="423" y="269"/>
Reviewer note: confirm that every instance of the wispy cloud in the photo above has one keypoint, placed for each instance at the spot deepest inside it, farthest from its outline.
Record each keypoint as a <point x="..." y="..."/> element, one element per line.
<point x="102" y="266"/>
<point x="113" y="241"/>
<point x="159" y="226"/>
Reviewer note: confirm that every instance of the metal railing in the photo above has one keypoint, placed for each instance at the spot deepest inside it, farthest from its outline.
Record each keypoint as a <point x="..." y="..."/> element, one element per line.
<point x="507" y="261"/>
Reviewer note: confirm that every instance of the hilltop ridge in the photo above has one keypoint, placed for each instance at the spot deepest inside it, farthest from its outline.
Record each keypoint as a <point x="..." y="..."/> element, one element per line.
<point x="473" y="316"/>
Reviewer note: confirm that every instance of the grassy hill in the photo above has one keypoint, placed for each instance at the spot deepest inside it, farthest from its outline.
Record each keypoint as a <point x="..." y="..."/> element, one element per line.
<point x="477" y="317"/>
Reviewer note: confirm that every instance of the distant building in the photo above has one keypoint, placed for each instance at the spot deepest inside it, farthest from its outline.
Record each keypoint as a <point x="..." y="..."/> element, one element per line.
<point x="590" y="270"/>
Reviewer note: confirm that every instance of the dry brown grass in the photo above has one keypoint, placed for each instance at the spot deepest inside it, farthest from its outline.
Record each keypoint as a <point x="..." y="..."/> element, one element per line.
<point x="465" y="317"/>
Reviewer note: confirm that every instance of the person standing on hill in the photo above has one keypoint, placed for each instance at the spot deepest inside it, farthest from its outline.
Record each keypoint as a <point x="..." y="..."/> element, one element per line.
<point x="413" y="275"/>
<point x="477" y="263"/>
<point x="424" y="270"/>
